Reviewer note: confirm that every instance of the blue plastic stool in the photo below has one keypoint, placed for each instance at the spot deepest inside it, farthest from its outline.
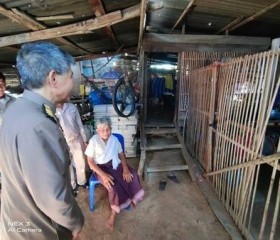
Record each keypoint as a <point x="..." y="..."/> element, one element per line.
<point x="93" y="181"/>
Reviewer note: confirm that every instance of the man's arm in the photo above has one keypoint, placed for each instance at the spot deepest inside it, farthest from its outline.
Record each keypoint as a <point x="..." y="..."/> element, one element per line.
<point x="80" y="124"/>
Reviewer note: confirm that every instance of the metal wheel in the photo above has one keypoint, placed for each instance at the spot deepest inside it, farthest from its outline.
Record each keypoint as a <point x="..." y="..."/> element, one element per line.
<point x="124" y="98"/>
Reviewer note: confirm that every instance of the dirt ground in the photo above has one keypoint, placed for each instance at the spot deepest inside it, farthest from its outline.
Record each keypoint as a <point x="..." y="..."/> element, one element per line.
<point x="179" y="212"/>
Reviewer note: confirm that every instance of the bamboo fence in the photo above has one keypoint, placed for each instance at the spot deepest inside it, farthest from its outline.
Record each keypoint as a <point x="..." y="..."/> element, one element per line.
<point x="201" y="100"/>
<point x="229" y="106"/>
<point x="192" y="60"/>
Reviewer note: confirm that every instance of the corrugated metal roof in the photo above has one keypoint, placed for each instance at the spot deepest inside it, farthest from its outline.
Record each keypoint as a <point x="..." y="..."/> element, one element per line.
<point x="202" y="17"/>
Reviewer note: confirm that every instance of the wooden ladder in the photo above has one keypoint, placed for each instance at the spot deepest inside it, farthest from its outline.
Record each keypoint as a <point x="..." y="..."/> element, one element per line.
<point x="161" y="131"/>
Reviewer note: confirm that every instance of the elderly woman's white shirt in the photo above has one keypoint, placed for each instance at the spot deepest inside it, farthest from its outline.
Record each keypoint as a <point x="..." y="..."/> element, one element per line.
<point x="103" y="152"/>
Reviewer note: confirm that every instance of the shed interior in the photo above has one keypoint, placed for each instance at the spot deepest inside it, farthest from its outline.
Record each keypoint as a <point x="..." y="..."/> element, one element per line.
<point x="205" y="72"/>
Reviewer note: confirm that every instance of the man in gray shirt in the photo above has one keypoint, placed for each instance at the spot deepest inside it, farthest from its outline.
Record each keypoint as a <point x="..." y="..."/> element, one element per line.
<point x="37" y="201"/>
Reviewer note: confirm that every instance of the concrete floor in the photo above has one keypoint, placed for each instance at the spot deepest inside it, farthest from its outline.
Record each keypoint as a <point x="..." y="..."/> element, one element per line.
<point x="179" y="212"/>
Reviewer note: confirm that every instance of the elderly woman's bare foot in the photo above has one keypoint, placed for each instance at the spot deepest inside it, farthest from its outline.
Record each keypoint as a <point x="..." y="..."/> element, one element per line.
<point x="111" y="220"/>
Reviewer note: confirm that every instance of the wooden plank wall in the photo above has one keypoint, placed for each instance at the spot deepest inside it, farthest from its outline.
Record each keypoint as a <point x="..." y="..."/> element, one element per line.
<point x="229" y="106"/>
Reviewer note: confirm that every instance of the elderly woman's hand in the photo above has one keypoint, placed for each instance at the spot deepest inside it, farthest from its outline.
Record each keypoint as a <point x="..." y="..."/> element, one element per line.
<point x="127" y="176"/>
<point x="107" y="180"/>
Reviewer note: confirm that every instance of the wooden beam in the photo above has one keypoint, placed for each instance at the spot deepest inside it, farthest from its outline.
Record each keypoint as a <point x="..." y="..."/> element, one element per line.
<point x="73" y="29"/>
<point x="161" y="30"/>
<point x="141" y="163"/>
<point x="28" y="22"/>
<point x="160" y="125"/>
<point x="258" y="161"/>
<point x="167" y="168"/>
<point x="55" y="17"/>
<point x="108" y="54"/>
<point x="143" y="136"/>
<point x="163" y="147"/>
<point x="184" y="14"/>
<point x="251" y="18"/>
<point x="99" y="11"/>
<point x="160" y="131"/>
<point x="153" y="42"/>
<point x="232" y="23"/>
<point x="142" y="23"/>
<point x="205" y="39"/>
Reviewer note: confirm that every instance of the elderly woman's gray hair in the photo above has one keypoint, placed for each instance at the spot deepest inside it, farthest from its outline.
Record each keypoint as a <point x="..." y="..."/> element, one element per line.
<point x="103" y="121"/>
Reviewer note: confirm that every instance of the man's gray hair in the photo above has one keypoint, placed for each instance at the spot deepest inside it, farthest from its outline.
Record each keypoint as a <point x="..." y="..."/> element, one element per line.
<point x="36" y="59"/>
<point x="103" y="120"/>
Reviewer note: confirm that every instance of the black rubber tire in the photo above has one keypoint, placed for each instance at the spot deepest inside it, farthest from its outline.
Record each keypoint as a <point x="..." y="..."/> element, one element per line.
<point x="120" y="87"/>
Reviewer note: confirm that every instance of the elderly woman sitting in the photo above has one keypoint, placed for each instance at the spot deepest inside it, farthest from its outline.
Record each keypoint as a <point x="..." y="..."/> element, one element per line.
<point x="107" y="159"/>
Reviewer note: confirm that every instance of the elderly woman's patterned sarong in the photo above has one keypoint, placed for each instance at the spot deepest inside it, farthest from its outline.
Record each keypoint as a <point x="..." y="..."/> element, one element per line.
<point x="122" y="193"/>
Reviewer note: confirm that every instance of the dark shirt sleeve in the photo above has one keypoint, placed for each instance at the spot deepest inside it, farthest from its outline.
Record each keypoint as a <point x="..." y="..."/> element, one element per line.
<point x="44" y="159"/>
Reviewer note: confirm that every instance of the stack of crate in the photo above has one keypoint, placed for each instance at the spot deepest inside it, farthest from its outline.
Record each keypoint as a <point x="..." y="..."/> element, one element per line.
<point x="124" y="126"/>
